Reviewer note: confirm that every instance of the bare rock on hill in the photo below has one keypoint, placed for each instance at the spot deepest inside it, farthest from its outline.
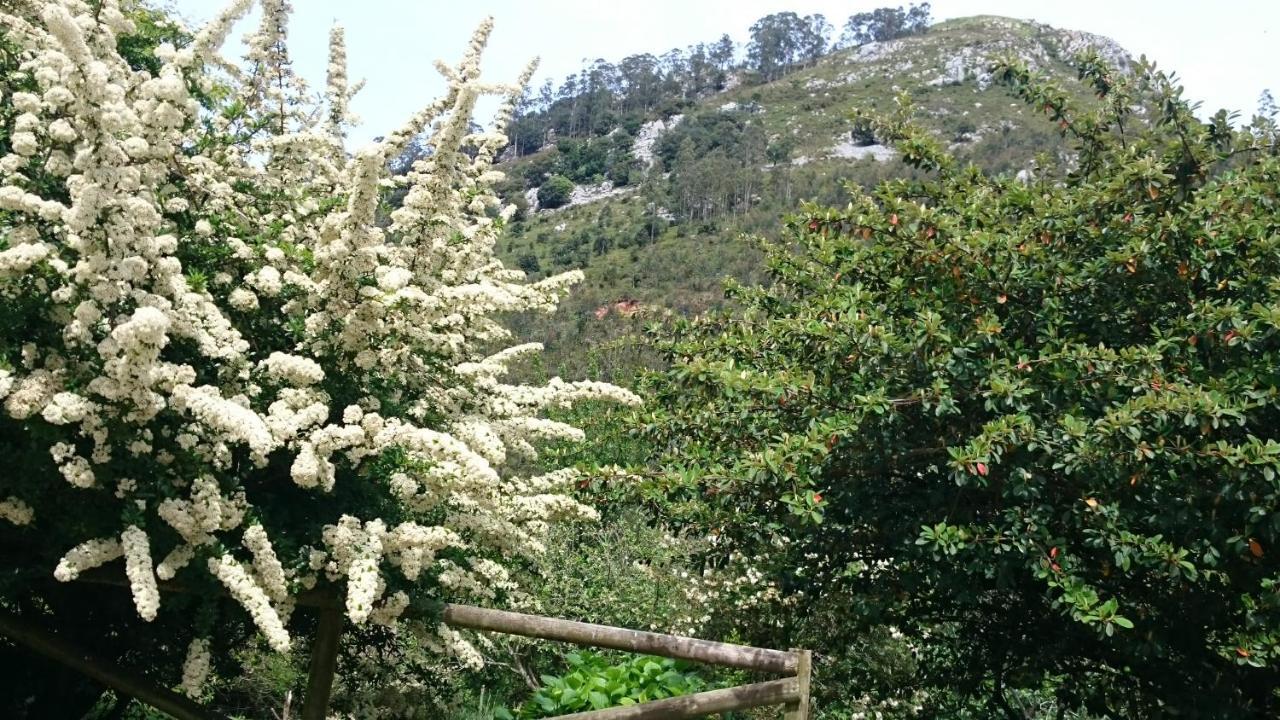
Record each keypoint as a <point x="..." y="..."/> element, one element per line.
<point x="648" y="136"/>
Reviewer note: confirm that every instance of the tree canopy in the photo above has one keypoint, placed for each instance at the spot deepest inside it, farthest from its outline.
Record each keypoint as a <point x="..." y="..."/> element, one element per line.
<point x="885" y="23"/>
<point x="784" y="41"/>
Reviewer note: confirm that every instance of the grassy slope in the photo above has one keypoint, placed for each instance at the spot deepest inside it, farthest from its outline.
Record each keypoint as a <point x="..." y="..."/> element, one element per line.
<point x="682" y="267"/>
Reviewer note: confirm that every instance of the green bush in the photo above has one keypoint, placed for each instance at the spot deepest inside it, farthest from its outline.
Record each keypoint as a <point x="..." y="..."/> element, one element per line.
<point x="555" y="192"/>
<point x="528" y="262"/>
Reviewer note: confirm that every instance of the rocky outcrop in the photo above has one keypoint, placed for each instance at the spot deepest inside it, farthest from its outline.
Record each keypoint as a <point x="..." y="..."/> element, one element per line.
<point x="847" y="149"/>
<point x="967" y="63"/>
<point x="1075" y="42"/>
<point x="852" y="151"/>
<point x="968" y="59"/>
<point x="583" y="194"/>
<point x="648" y="135"/>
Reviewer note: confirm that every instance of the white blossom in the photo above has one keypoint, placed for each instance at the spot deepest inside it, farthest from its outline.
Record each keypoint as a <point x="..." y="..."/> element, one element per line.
<point x="178" y="558"/>
<point x="291" y="369"/>
<point x="137" y="565"/>
<point x="246" y="592"/>
<point x="15" y="511"/>
<point x="195" y="669"/>
<point x="269" y="571"/>
<point x="86" y="556"/>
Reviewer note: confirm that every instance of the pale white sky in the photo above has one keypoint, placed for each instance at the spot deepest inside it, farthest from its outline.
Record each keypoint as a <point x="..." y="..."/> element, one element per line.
<point x="1224" y="51"/>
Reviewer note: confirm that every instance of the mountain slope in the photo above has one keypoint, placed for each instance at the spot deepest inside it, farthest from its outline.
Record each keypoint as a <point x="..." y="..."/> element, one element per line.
<point x="729" y="165"/>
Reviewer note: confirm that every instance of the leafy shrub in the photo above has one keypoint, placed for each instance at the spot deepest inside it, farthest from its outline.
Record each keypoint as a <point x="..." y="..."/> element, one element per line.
<point x="555" y="192"/>
<point x="582" y="160"/>
<point x="863" y="132"/>
<point x="528" y="262"/>
<point x="621" y="173"/>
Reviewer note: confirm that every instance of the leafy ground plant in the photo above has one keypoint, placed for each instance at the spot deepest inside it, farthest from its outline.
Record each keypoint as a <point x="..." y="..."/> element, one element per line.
<point x="595" y="681"/>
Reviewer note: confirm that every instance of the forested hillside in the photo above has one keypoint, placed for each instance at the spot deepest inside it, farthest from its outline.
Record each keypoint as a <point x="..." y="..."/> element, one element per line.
<point x="656" y="175"/>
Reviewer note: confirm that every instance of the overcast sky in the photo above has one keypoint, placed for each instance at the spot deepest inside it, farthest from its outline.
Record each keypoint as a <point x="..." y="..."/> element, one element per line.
<point x="1223" y="51"/>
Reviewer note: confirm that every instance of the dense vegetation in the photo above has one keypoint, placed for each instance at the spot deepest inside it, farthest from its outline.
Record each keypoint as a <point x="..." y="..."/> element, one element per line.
<point x="991" y="430"/>
<point x="1030" y="425"/>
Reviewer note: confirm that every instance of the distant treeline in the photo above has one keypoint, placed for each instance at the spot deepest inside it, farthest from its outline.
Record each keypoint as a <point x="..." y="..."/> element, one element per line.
<point x="604" y="96"/>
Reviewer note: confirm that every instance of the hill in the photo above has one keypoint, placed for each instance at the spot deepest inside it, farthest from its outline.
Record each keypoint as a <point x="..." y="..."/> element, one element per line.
<point x="675" y="202"/>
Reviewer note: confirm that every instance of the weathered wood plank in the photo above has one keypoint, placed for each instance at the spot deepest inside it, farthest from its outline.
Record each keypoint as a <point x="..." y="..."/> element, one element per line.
<point x="55" y="648"/>
<point x="324" y="662"/>
<point x="742" y="697"/>
<point x="605" y="636"/>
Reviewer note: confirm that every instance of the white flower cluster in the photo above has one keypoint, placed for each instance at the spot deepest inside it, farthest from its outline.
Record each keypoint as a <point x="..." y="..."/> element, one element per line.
<point x="739" y="583"/>
<point x="247" y="592"/>
<point x="338" y="93"/>
<point x="452" y="642"/>
<point x="16" y="511"/>
<point x="291" y="369"/>
<point x="270" y="573"/>
<point x="195" y="669"/>
<point x="86" y="556"/>
<point x="137" y="565"/>
<point x="253" y="324"/>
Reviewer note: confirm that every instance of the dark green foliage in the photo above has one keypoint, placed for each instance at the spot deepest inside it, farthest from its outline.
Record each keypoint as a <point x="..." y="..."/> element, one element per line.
<point x="1030" y="424"/>
<point x="591" y="161"/>
<point x="555" y="192"/>
<point x="862" y="134"/>
<point x="581" y="161"/>
<point x="528" y="262"/>
<point x="537" y="169"/>
<point x="706" y="131"/>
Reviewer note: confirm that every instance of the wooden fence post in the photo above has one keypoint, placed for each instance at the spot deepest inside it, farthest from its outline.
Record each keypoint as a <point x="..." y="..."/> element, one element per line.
<point x="76" y="658"/>
<point x="324" y="662"/>
<point x="804" y="671"/>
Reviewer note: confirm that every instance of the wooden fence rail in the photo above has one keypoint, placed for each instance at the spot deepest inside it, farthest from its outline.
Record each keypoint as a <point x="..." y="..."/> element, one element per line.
<point x="615" y="638"/>
<point x="791" y="691"/>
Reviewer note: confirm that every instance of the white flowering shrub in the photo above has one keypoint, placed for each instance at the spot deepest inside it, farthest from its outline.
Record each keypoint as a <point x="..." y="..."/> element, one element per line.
<point x="220" y="366"/>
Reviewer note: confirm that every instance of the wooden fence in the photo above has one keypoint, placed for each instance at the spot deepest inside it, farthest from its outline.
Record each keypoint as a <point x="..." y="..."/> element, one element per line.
<point x="790" y="691"/>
